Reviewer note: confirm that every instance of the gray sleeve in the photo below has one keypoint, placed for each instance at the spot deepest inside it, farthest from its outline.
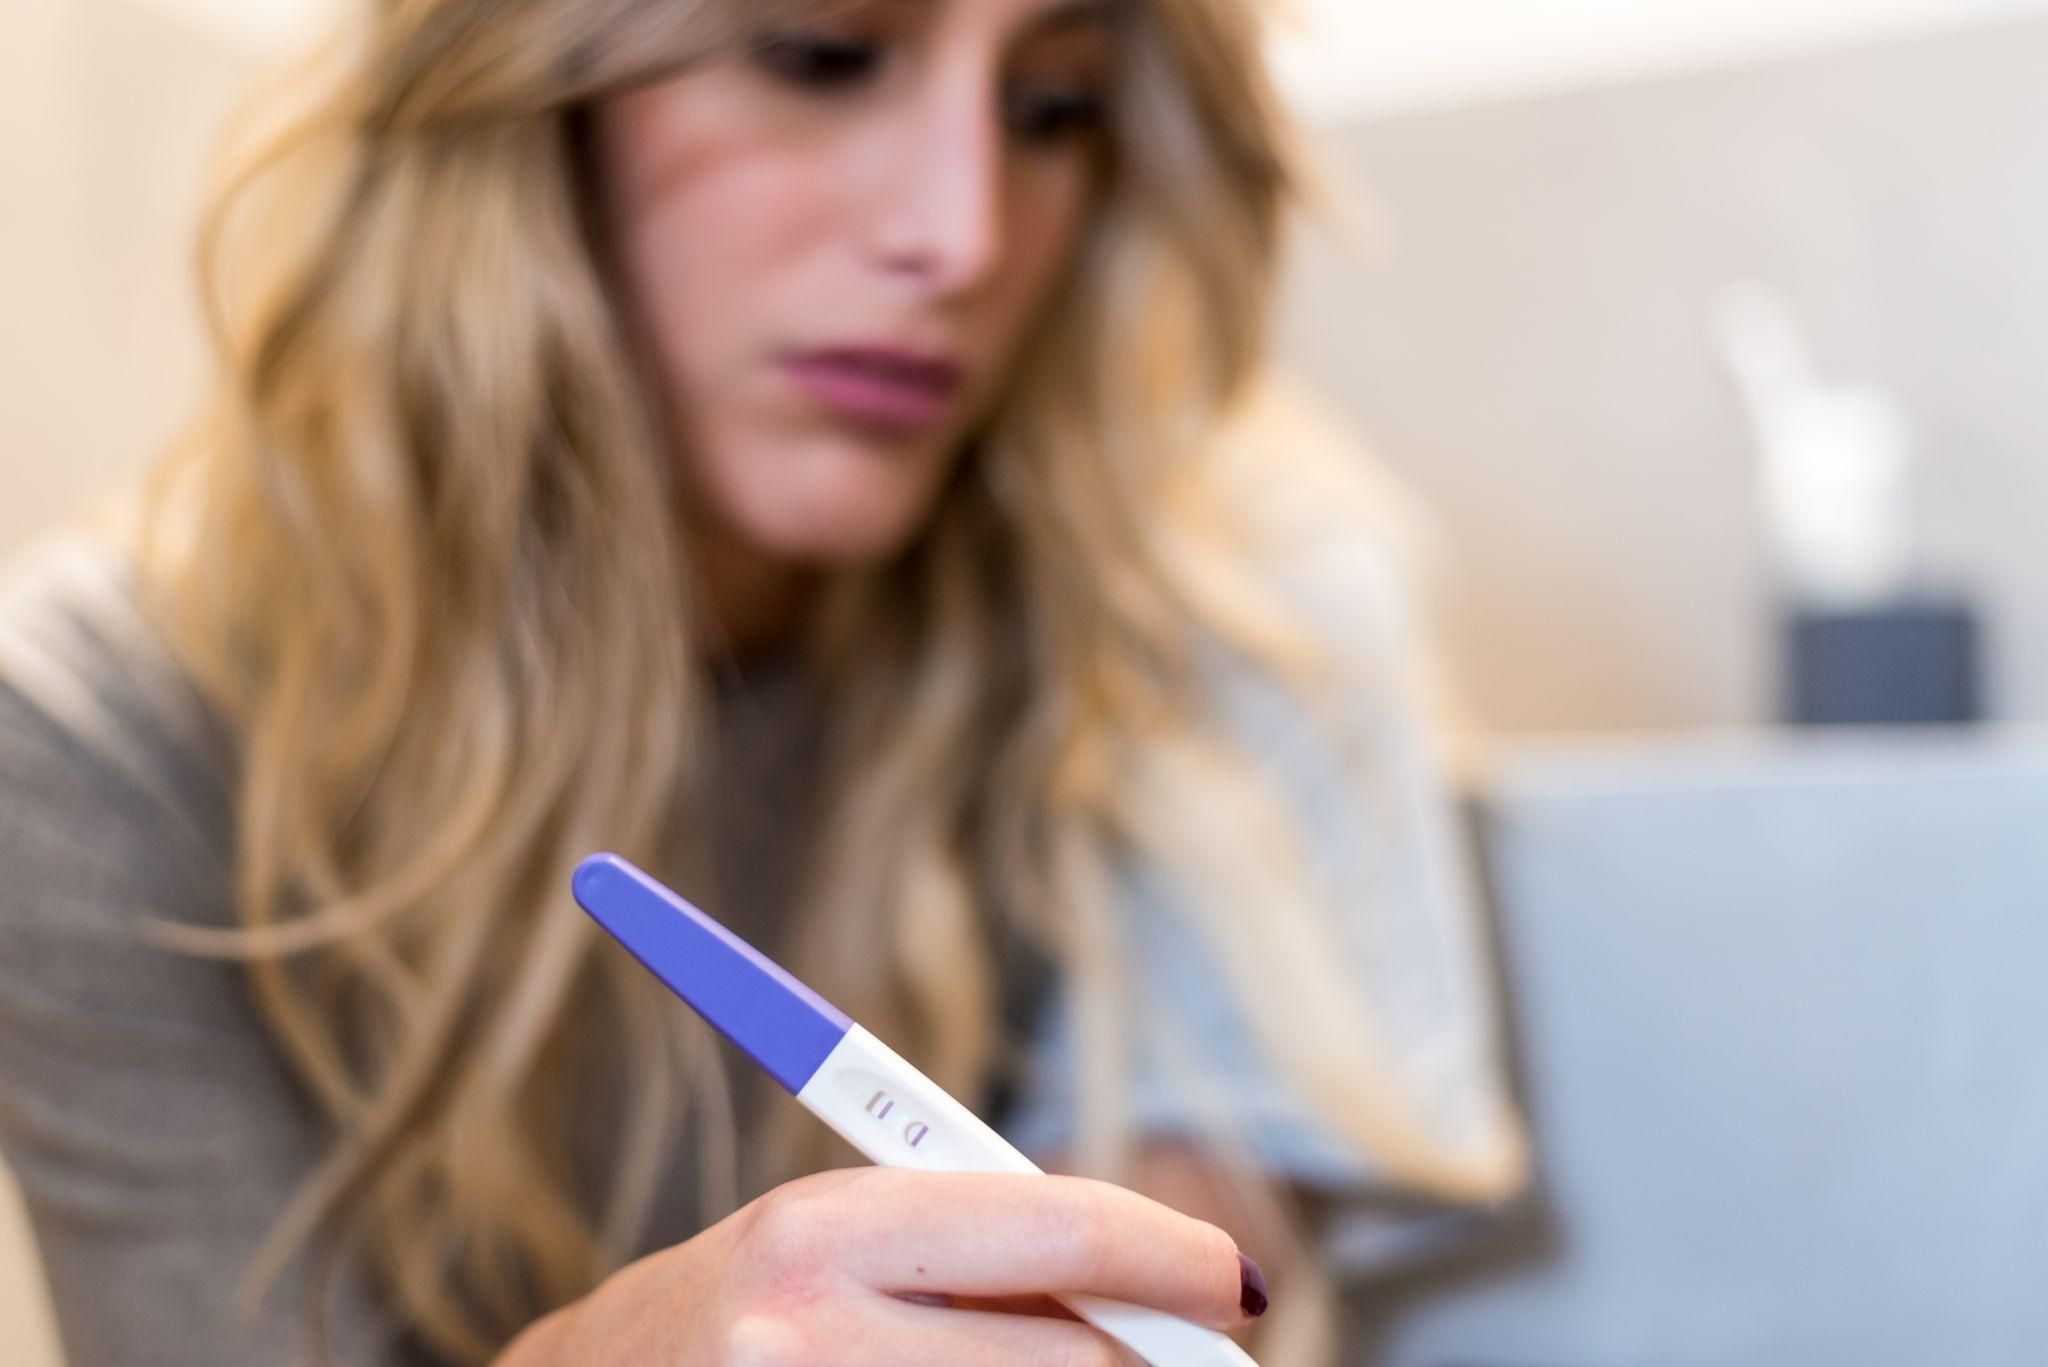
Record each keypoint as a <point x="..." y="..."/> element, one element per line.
<point x="153" y="1129"/>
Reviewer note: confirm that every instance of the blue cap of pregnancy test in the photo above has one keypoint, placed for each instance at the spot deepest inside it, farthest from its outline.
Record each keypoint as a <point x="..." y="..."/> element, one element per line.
<point x="749" y="998"/>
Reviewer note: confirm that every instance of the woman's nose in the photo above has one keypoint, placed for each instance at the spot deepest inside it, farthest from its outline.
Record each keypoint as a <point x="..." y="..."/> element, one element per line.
<point x="942" y="218"/>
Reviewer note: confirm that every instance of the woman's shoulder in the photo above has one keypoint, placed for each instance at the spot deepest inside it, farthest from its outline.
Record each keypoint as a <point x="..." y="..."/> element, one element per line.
<point x="152" y="1126"/>
<point x="104" y="742"/>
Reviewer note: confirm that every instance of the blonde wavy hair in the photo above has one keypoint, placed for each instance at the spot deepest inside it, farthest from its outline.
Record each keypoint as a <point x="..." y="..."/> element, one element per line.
<point x="419" y="553"/>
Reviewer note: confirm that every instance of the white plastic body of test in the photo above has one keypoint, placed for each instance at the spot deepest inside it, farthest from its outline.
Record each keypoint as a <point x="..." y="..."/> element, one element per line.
<point x="902" y="1119"/>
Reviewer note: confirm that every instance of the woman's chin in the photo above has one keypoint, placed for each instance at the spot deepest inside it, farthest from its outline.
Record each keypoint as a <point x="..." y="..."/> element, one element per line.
<point x="842" y="532"/>
<point x="849" y="511"/>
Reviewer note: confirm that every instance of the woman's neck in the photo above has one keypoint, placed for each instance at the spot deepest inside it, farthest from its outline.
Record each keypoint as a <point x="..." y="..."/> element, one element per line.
<point x="751" y="603"/>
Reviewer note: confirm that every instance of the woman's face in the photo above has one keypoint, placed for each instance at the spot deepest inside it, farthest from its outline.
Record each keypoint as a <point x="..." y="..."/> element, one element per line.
<point x="835" y="245"/>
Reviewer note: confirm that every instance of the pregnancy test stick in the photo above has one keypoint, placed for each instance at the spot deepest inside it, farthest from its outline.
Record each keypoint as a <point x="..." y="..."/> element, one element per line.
<point x="846" y="1077"/>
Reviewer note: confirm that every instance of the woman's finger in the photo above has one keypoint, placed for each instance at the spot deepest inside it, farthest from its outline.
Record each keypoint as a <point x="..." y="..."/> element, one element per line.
<point x="1010" y="1234"/>
<point x="956" y="1336"/>
<point x="1043" y="1307"/>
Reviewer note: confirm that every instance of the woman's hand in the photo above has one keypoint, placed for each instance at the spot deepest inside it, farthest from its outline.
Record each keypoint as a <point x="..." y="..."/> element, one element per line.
<point x="899" y="1268"/>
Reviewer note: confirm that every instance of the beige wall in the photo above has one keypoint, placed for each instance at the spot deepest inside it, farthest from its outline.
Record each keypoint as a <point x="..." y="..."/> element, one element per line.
<point x="1351" y="59"/>
<point x="96" y="342"/>
<point x="1524" y="336"/>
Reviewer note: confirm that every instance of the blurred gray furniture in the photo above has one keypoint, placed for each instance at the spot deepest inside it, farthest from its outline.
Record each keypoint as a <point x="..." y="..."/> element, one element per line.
<point x="1783" y="1027"/>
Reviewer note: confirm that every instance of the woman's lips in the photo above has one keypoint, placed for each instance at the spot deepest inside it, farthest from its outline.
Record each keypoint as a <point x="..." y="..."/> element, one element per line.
<point x="878" y="388"/>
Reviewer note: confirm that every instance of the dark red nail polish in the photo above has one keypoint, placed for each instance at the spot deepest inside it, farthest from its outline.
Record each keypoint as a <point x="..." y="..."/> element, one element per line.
<point x="1253" y="1298"/>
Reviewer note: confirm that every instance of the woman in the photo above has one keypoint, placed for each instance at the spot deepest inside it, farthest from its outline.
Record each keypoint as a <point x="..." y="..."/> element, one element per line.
<point x="812" y="449"/>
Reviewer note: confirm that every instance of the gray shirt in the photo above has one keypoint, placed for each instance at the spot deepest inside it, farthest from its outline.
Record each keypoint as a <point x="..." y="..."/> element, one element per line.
<point x="153" y="1128"/>
<point x="156" y="1132"/>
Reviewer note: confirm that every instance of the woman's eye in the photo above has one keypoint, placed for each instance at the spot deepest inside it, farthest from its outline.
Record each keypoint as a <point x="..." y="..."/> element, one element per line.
<point x="819" y="62"/>
<point x="1056" y="116"/>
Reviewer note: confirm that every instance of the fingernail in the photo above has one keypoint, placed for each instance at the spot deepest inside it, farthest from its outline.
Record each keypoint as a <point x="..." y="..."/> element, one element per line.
<point x="1253" y="1299"/>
